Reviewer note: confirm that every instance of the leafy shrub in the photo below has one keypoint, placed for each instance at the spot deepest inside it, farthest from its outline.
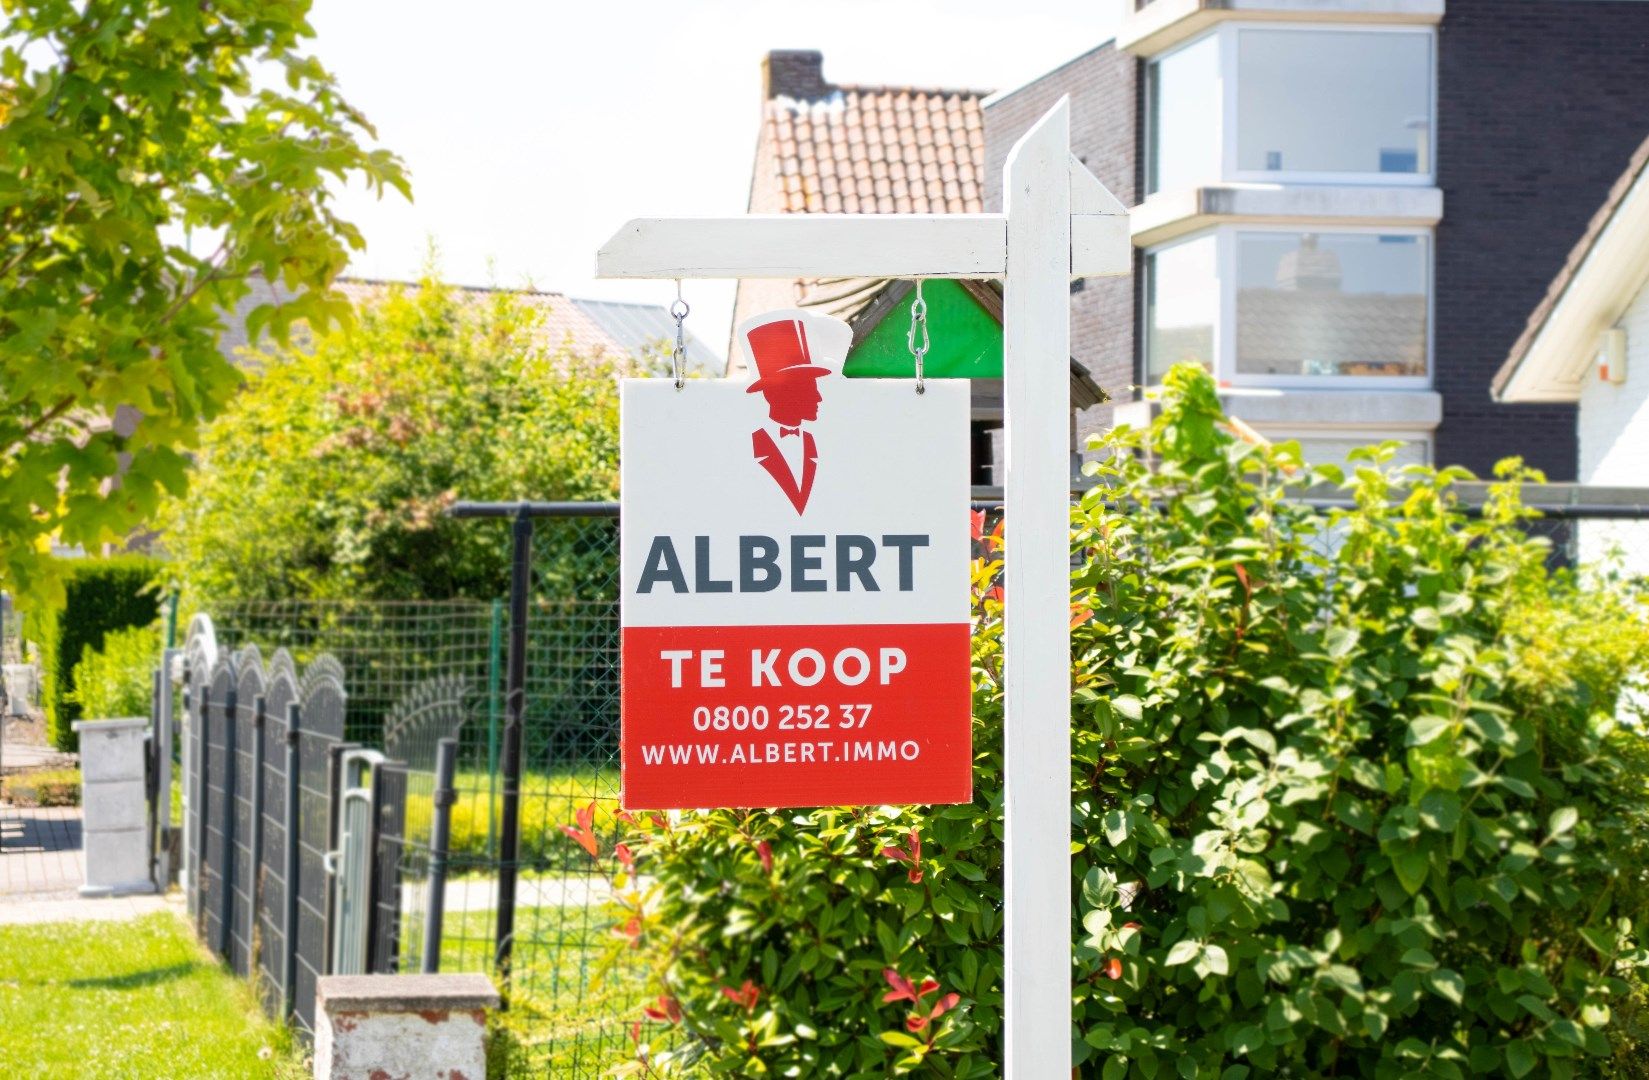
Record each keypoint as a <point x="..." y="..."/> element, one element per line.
<point x="116" y="679"/>
<point x="1349" y="797"/>
<point x="42" y="787"/>
<point x="547" y="800"/>
<point x="328" y="476"/>
<point x="100" y="595"/>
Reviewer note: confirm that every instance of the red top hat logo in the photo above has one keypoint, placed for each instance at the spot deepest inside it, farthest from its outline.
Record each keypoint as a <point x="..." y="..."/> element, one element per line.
<point x="788" y="379"/>
<point x="780" y="352"/>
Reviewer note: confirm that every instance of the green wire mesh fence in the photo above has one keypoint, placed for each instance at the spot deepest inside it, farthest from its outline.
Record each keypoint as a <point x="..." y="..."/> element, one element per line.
<point x="420" y="671"/>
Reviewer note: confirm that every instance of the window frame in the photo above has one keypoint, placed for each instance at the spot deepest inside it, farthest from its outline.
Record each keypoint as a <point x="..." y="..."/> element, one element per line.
<point x="1224" y="336"/>
<point x="1228" y="86"/>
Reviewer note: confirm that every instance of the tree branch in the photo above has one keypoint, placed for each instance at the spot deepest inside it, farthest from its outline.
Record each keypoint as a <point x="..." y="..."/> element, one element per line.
<point x="40" y="422"/>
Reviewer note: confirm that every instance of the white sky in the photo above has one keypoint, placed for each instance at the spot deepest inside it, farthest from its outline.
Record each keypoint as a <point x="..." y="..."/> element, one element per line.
<point x="535" y="129"/>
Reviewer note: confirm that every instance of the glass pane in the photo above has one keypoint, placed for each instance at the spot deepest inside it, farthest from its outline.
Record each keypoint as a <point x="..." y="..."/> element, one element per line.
<point x="1331" y="304"/>
<point x="1182" y="300"/>
<point x="1184" y="124"/>
<point x="1333" y="101"/>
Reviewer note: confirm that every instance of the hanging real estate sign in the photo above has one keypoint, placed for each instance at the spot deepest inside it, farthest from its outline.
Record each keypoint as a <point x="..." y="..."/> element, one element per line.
<point x="795" y="574"/>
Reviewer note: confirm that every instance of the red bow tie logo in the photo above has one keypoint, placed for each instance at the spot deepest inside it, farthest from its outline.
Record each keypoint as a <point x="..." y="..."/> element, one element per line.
<point x="783" y="431"/>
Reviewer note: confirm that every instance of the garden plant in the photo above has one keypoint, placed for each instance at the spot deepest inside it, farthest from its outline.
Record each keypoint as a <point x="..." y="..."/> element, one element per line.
<point x="1357" y="792"/>
<point x="329" y="475"/>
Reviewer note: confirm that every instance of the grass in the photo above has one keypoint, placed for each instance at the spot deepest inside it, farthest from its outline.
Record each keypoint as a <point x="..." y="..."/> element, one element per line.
<point x="133" y="1000"/>
<point x="567" y="1017"/>
<point x="42" y="787"/>
<point x="548" y="801"/>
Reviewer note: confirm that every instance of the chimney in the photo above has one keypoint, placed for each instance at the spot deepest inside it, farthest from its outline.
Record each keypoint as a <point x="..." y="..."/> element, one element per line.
<point x="794" y="73"/>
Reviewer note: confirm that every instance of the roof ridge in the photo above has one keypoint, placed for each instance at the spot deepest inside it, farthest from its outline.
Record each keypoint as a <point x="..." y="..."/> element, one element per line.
<point x="359" y="279"/>
<point x="941" y="91"/>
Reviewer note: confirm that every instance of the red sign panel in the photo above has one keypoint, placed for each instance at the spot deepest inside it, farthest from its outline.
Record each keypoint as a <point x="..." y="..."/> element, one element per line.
<point x="795" y="574"/>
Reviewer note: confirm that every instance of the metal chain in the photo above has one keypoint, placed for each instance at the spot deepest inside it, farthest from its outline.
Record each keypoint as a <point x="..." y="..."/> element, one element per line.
<point x="678" y="358"/>
<point x="918" y="322"/>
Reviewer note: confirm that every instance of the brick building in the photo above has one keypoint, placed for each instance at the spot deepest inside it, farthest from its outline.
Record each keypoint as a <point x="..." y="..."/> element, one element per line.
<point x="1346" y="209"/>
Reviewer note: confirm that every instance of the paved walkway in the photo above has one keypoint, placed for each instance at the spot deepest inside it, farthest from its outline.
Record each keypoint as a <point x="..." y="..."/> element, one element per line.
<point x="40" y="872"/>
<point x="24" y="757"/>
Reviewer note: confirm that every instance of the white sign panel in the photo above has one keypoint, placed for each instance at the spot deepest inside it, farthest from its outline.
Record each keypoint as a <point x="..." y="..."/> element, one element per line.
<point x="795" y="574"/>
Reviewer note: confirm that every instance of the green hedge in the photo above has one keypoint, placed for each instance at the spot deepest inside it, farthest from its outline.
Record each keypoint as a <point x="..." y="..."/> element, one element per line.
<point x="100" y="595"/>
<point x="1359" y="793"/>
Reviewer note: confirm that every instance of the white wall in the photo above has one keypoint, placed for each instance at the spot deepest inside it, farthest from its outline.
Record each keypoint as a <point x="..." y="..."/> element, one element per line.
<point x="1614" y="442"/>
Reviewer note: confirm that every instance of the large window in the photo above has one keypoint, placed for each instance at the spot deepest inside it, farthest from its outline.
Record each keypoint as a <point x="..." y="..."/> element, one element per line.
<point x="1312" y="304"/>
<point x="1329" y="102"/>
<point x="1265" y="306"/>
<point x="1292" y="104"/>
<point x="1183" y="96"/>
<point x="1182" y="303"/>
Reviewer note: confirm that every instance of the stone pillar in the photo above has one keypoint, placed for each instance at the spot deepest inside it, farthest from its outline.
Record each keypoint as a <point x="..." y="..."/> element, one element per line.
<point x="410" y="1027"/>
<point x="114" y="813"/>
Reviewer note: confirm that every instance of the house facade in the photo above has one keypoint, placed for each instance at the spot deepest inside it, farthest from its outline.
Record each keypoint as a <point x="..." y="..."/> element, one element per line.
<point x="825" y="147"/>
<point x="1345" y="210"/>
<point x="1586" y="346"/>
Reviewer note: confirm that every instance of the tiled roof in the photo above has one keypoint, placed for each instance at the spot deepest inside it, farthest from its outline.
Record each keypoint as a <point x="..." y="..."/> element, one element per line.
<point x="585" y="326"/>
<point x="877" y="150"/>
<point x="1571" y="266"/>
<point x="850" y="149"/>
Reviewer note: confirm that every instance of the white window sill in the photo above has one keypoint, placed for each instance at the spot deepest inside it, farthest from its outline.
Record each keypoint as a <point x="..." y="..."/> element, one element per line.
<point x="1168" y="214"/>
<point x="1316" y="410"/>
<point x="1162" y="24"/>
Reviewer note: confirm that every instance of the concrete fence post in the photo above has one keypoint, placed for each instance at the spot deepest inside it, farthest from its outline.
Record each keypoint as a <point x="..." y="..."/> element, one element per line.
<point x="116" y="822"/>
<point x="411" y="1027"/>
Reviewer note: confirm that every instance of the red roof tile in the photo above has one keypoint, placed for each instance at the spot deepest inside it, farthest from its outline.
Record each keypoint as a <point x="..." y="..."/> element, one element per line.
<point x="833" y="151"/>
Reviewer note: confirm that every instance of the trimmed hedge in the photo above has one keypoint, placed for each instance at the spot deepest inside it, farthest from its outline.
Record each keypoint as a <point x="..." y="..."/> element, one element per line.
<point x="100" y="595"/>
<point x="1361" y="793"/>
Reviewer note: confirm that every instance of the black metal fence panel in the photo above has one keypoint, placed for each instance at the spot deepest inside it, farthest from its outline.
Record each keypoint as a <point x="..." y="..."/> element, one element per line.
<point x="215" y="852"/>
<point x="389" y="798"/>
<point x="321" y="704"/>
<point x="279" y="697"/>
<point x="249" y="693"/>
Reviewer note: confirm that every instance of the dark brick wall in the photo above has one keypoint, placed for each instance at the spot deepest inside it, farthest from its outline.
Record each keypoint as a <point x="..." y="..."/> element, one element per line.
<point x="1104" y="122"/>
<point x="1540" y="104"/>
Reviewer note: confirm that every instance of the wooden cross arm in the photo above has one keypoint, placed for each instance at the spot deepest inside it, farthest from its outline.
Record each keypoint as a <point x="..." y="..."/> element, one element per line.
<point x="861" y="245"/>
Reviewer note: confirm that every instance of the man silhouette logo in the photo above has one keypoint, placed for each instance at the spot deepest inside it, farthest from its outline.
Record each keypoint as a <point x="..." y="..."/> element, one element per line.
<point x="789" y="380"/>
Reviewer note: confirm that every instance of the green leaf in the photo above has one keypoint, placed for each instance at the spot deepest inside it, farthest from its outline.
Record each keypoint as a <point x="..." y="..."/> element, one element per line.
<point x="1116" y="828"/>
<point x="1419" y="958"/>
<point x="900" y="1038"/>
<point x="1128" y="706"/>
<point x="1411" y="866"/>
<point x="1562" y="821"/>
<point x="1440" y="810"/>
<point x="1183" y="952"/>
<point x="1520" y="1058"/>
<point x="1423" y="729"/>
<point x="1339" y="641"/>
<point x="1426" y="619"/>
<point x="1447" y="984"/>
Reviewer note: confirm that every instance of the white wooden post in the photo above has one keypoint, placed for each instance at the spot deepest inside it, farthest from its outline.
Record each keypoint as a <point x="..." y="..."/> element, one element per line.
<point x="1060" y="223"/>
<point x="1037" y="601"/>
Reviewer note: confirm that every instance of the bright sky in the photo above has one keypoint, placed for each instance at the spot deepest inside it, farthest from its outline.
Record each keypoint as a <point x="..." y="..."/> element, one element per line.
<point x="534" y="129"/>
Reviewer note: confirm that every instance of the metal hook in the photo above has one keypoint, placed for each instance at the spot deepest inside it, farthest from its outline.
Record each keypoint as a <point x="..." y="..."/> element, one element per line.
<point x="918" y="321"/>
<point x="678" y="358"/>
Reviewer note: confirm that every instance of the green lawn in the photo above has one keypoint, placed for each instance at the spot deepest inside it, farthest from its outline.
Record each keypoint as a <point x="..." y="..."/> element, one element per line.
<point x="133" y="1000"/>
<point x="567" y="1018"/>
